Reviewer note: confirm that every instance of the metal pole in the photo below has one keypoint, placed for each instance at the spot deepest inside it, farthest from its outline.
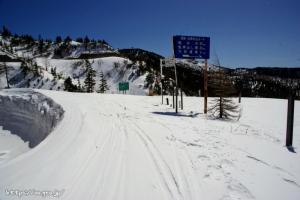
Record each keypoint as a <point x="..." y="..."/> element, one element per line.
<point x="205" y="87"/>
<point x="290" y="121"/>
<point x="161" y="84"/>
<point x="176" y="110"/>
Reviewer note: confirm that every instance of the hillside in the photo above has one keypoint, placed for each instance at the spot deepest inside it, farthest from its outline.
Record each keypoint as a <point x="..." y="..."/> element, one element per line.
<point x="29" y="66"/>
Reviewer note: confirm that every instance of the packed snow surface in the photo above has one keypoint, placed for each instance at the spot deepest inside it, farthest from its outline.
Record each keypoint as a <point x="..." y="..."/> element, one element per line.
<point x="111" y="146"/>
<point x="11" y="145"/>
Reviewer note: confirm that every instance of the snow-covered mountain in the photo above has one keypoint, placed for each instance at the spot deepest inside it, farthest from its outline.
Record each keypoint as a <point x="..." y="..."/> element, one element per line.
<point x="50" y="63"/>
<point x="49" y="67"/>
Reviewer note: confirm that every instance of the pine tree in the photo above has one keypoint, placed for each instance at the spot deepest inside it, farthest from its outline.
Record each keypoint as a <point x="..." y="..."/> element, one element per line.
<point x="79" y="88"/>
<point x="89" y="81"/>
<point x="86" y="42"/>
<point x="67" y="40"/>
<point x="79" y="40"/>
<point x="5" y="32"/>
<point x="58" y="40"/>
<point x="24" y="68"/>
<point x="222" y="106"/>
<point x="69" y="86"/>
<point x="103" y="84"/>
<point x="36" y="69"/>
<point x="41" y="46"/>
<point x="53" y="72"/>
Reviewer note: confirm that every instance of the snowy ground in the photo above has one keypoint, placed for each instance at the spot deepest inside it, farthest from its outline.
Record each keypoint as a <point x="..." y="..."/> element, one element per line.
<point x="130" y="147"/>
<point x="11" y="146"/>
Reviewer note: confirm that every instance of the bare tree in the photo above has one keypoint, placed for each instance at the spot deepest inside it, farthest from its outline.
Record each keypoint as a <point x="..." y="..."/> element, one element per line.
<point x="222" y="107"/>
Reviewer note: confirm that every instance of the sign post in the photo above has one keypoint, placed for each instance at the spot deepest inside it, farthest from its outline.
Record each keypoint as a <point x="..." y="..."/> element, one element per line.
<point x="176" y="90"/>
<point x="124" y="86"/>
<point x="193" y="47"/>
<point x="205" y="87"/>
<point x="161" y="83"/>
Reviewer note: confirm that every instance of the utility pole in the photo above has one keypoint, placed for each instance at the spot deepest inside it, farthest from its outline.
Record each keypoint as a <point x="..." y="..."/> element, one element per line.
<point x="205" y="87"/>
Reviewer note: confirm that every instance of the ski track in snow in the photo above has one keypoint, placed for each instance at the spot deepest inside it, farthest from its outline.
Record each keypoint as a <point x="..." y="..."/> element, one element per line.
<point x="115" y="147"/>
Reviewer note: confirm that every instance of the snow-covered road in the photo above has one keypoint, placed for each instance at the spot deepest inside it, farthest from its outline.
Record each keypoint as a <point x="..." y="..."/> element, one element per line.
<point x="131" y="147"/>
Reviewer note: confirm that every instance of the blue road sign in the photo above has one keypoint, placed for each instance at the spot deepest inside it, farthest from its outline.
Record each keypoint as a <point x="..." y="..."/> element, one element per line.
<point x="191" y="47"/>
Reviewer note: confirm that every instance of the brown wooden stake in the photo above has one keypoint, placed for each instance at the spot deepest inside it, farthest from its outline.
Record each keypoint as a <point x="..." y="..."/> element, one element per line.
<point x="290" y="121"/>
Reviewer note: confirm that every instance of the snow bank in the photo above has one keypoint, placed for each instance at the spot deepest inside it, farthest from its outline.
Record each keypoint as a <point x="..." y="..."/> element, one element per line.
<point x="28" y="114"/>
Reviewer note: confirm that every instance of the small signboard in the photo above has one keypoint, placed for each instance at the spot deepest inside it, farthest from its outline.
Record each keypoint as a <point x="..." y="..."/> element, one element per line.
<point x="167" y="62"/>
<point x="123" y="86"/>
<point x="191" y="47"/>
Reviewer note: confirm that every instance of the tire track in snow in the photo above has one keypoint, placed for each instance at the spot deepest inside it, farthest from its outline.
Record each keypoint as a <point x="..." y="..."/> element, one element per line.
<point x="96" y="155"/>
<point x="160" y="163"/>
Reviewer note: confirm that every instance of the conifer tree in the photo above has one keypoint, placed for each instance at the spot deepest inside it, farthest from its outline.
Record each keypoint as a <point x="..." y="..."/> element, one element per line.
<point x="69" y="86"/>
<point x="24" y="68"/>
<point x="53" y="72"/>
<point x="222" y="107"/>
<point x="36" y="69"/>
<point x="58" y="39"/>
<point x="5" y="32"/>
<point x="41" y="46"/>
<point x="79" y="88"/>
<point x="103" y="84"/>
<point x="89" y="81"/>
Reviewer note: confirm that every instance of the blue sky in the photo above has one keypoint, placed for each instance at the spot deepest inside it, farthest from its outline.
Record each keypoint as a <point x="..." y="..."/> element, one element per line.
<point x="244" y="33"/>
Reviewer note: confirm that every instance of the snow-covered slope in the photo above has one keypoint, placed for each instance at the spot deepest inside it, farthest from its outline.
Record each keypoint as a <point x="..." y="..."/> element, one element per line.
<point x="111" y="146"/>
<point x="113" y="68"/>
<point x="39" y="76"/>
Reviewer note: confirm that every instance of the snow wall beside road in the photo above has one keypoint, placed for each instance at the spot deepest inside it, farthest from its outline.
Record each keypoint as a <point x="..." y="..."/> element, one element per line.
<point x="28" y="114"/>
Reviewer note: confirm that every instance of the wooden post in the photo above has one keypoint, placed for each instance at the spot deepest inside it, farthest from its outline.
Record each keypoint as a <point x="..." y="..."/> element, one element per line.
<point x="181" y="95"/>
<point x="290" y="121"/>
<point x="176" y="90"/>
<point x="173" y="96"/>
<point x="205" y="87"/>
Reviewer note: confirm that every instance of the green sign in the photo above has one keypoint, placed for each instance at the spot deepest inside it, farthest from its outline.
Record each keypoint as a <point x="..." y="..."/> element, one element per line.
<point x="123" y="86"/>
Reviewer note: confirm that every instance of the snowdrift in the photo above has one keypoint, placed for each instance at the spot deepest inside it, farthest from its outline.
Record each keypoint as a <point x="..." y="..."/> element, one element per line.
<point x="28" y="114"/>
